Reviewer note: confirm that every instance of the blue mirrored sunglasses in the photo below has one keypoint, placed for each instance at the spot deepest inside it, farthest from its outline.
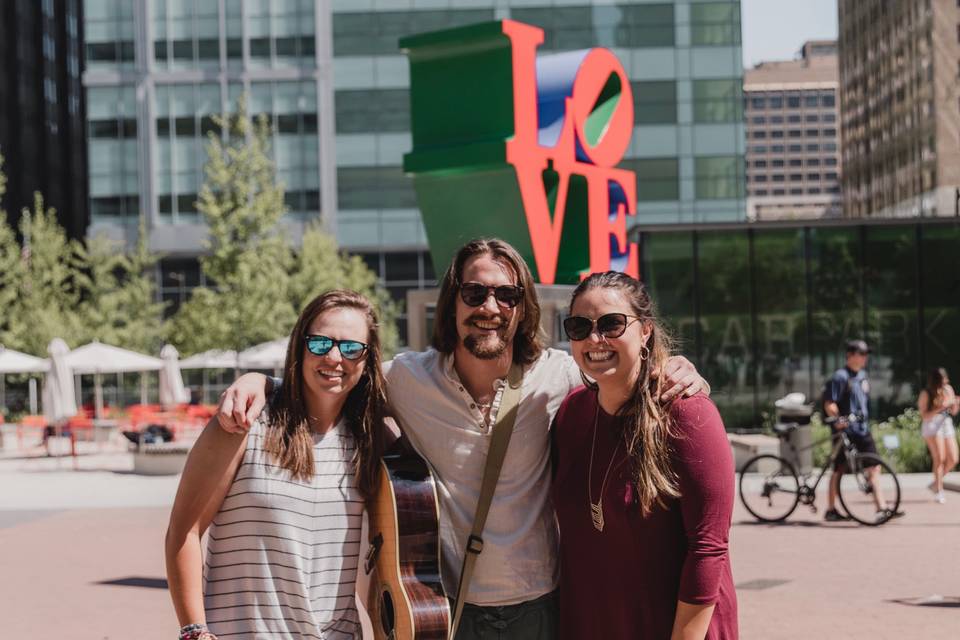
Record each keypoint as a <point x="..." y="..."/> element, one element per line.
<point x="349" y="349"/>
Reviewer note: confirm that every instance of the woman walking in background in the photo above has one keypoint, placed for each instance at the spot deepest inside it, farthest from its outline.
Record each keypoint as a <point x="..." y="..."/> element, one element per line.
<point x="643" y="491"/>
<point x="284" y="501"/>
<point x="937" y="403"/>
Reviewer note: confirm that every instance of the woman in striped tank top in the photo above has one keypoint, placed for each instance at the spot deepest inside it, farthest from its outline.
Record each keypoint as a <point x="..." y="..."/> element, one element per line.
<point x="282" y="504"/>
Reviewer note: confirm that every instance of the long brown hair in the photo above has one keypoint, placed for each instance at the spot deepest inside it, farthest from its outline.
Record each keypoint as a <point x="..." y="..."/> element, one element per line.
<point x="289" y="436"/>
<point x="935" y="382"/>
<point x="646" y="425"/>
<point x="528" y="340"/>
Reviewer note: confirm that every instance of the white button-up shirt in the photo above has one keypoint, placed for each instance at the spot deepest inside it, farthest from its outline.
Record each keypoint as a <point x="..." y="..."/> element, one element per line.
<point x="444" y="424"/>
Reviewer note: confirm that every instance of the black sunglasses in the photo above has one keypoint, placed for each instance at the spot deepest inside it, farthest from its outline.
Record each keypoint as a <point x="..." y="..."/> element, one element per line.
<point x="321" y="346"/>
<point x="609" y="325"/>
<point x="475" y="294"/>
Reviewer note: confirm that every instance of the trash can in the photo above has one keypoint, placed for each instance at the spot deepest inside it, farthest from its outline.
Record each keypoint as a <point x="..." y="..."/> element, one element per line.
<point x="796" y="447"/>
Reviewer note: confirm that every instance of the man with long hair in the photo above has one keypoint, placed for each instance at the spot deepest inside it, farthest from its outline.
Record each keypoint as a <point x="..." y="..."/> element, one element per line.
<point x="447" y="398"/>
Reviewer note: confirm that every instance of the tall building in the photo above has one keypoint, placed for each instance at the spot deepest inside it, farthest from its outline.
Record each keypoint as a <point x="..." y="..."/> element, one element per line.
<point x="42" y="129"/>
<point x="900" y="109"/>
<point x="332" y="77"/>
<point x="793" y="144"/>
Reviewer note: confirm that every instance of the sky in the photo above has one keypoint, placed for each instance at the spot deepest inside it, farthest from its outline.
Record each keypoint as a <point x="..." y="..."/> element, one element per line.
<point x="776" y="29"/>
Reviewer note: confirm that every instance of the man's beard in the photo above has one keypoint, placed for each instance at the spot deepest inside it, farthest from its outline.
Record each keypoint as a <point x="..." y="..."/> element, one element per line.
<point x="488" y="346"/>
<point x="485" y="348"/>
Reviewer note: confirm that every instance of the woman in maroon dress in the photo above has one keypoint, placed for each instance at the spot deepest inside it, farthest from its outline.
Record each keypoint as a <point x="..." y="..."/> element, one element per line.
<point x="643" y="491"/>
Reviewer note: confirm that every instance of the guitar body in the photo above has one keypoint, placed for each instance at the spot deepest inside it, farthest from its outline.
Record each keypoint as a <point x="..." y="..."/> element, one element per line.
<point x="406" y="600"/>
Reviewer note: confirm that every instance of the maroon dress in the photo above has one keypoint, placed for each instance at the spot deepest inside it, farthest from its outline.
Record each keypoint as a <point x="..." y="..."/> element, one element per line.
<point x="624" y="582"/>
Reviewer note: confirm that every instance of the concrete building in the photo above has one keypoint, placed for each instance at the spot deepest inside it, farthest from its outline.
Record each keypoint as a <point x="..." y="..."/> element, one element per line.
<point x="793" y="144"/>
<point x="41" y="109"/>
<point x="335" y="83"/>
<point x="900" y="110"/>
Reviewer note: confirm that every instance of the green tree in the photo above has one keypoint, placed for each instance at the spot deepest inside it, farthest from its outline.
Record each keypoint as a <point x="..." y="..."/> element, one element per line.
<point x="46" y="292"/>
<point x="10" y="265"/>
<point x="320" y="266"/>
<point x="248" y="259"/>
<point x="119" y="296"/>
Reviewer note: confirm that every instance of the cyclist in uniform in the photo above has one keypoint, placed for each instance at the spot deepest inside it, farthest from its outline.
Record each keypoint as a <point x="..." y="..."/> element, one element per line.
<point x="847" y="396"/>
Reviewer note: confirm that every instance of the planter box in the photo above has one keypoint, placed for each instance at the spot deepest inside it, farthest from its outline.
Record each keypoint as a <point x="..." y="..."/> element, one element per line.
<point x="160" y="459"/>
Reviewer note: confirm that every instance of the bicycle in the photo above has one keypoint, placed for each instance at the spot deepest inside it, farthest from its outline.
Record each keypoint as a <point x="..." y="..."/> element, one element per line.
<point x="771" y="489"/>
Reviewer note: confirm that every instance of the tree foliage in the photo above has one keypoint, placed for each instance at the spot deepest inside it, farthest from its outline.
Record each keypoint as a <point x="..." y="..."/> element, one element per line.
<point x="261" y="283"/>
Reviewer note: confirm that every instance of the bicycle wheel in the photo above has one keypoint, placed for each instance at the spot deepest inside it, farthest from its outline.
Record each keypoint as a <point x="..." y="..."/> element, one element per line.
<point x="865" y="501"/>
<point x="769" y="488"/>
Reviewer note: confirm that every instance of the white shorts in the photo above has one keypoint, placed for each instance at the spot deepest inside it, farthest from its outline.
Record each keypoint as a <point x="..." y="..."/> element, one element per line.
<point x="940" y="426"/>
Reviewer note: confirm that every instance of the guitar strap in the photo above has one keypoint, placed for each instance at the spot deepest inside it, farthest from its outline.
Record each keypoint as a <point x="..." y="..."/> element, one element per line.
<point x="500" y="438"/>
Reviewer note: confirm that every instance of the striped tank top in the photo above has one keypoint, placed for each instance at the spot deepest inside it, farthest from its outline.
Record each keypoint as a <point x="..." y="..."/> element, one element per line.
<point x="282" y="553"/>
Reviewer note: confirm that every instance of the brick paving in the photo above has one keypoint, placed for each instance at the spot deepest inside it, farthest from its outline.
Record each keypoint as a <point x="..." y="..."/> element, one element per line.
<point x="80" y="559"/>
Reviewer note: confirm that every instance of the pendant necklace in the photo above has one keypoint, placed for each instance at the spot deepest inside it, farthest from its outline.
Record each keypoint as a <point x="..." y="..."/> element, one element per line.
<point x="596" y="508"/>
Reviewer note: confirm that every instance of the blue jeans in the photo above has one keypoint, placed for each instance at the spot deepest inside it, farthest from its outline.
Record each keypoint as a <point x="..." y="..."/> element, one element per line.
<point x="531" y="620"/>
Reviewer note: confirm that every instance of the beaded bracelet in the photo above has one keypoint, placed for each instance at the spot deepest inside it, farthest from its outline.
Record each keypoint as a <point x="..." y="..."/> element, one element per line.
<point x="196" y="631"/>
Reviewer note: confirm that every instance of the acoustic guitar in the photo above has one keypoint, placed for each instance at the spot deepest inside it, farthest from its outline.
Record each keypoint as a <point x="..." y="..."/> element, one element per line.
<point x="406" y="600"/>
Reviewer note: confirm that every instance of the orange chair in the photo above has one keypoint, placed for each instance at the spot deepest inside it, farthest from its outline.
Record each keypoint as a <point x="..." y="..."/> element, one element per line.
<point x="37" y="423"/>
<point x="77" y="425"/>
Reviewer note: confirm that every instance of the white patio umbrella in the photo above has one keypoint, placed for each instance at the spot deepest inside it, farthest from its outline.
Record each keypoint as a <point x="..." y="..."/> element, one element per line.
<point x="99" y="358"/>
<point x="59" y="395"/>
<point x="172" y="391"/>
<point x="213" y="359"/>
<point x="16" y="362"/>
<point x="268" y="355"/>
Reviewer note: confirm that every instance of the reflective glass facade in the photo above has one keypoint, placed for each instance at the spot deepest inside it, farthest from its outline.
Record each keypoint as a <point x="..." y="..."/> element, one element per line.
<point x="766" y="310"/>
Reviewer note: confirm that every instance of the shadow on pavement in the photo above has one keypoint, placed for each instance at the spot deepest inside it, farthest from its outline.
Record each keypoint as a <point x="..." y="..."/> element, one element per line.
<point x="137" y="581"/>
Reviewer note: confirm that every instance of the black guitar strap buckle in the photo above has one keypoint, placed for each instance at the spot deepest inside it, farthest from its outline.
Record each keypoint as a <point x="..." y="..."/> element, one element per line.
<point x="474" y="544"/>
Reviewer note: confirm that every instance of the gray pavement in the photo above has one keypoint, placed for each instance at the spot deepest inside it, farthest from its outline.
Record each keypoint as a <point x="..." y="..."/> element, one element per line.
<point x="81" y="556"/>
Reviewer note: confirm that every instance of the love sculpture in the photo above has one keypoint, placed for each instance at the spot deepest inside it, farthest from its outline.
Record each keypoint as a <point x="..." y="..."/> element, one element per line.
<point x="509" y="144"/>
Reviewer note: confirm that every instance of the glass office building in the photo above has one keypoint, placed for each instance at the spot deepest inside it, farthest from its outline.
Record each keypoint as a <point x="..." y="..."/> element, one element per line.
<point x="766" y="309"/>
<point x="332" y="79"/>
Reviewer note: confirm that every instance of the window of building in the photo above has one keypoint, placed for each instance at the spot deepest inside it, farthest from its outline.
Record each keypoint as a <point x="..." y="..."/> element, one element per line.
<point x="830" y="162"/>
<point x="796" y="177"/>
<point x="813" y="162"/>
<point x="108" y="34"/>
<point x="778" y="192"/>
<point x="813" y="133"/>
<point x="814" y="191"/>
<point x="810" y="100"/>
<point x="112" y="154"/>
<point x="793" y="100"/>
<point x="758" y="102"/>
<point x="777" y="162"/>
<point x="394" y="190"/>
<point x="760" y="192"/>
<point x="776" y="101"/>
<point x="758" y="120"/>
<point x="829" y="147"/>
<point x="828" y="99"/>
<point x="829" y="117"/>
<point x="793" y="118"/>
<point x="654" y="102"/>
<point x="759" y="135"/>
<point x="778" y="177"/>
<point x="813" y="176"/>
<point x="795" y="133"/>
<point x="377" y="32"/>
<point x="658" y="179"/>
<point x="717" y="100"/>
<point x="811" y="117"/>
<point x="760" y="178"/>
<point x="372" y="110"/>
<point x="628" y="25"/>
<point x="813" y="147"/>
<point x="776" y="148"/>
<point x="795" y="148"/>
<point x="714" y="23"/>
<point x="830" y="175"/>
<point x="796" y="192"/>
<point x="718" y="177"/>
<point x="776" y="119"/>
<point x="758" y="148"/>
<point x="796" y="162"/>
<point x="759" y="163"/>
<point x="830" y="133"/>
